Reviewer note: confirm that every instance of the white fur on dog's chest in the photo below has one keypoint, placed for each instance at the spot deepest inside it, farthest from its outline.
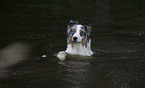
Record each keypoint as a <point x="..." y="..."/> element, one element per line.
<point x="78" y="49"/>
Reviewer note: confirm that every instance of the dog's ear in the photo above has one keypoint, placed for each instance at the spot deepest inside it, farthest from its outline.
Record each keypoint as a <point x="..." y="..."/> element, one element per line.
<point x="88" y="26"/>
<point x="71" y="23"/>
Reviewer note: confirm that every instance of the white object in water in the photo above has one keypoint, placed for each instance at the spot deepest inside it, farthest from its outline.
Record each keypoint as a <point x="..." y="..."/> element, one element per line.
<point x="61" y="55"/>
<point x="43" y="55"/>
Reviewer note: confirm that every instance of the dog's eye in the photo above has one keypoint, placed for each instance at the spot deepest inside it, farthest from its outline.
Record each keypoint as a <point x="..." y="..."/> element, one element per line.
<point x="81" y="33"/>
<point x="85" y="34"/>
<point x="72" y="33"/>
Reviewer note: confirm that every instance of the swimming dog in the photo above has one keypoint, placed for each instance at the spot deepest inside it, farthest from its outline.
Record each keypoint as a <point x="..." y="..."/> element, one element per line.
<point x="78" y="41"/>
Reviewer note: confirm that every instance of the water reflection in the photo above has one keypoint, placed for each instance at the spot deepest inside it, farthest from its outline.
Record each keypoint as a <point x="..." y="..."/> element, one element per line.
<point x="11" y="55"/>
<point x="77" y="73"/>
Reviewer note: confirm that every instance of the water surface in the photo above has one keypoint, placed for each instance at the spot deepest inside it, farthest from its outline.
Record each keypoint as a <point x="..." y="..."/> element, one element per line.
<point x="30" y="29"/>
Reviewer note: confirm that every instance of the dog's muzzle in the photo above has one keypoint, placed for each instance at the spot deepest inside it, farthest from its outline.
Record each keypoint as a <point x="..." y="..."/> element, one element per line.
<point x="75" y="39"/>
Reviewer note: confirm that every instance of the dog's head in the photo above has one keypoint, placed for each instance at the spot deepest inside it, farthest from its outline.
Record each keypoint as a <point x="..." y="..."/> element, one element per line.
<point x="77" y="33"/>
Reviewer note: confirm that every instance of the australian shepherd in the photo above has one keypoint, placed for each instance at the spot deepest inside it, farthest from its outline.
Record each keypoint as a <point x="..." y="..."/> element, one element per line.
<point x="78" y="40"/>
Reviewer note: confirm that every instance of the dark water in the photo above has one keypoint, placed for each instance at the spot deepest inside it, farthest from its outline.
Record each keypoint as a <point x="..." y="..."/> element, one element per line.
<point x="32" y="28"/>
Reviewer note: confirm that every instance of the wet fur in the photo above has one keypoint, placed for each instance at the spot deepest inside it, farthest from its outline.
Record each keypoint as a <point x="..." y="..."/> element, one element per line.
<point x="70" y="41"/>
<point x="80" y="47"/>
<point x="83" y="42"/>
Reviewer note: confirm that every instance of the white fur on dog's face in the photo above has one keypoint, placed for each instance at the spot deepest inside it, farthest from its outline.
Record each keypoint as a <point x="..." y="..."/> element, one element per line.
<point x="78" y="31"/>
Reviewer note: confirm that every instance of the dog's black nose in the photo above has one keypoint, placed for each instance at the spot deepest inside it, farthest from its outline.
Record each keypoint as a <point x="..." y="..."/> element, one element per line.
<point x="75" y="38"/>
